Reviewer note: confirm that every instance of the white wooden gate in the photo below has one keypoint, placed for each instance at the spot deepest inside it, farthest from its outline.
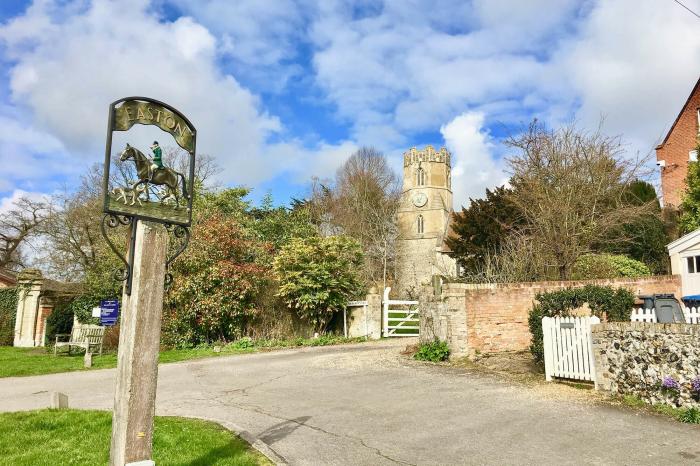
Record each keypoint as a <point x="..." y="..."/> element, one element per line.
<point x="400" y="318"/>
<point x="568" y="352"/>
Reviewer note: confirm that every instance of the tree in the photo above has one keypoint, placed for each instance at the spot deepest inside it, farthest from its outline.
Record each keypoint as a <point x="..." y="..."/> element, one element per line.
<point x="318" y="276"/>
<point x="361" y="203"/>
<point x="690" y="203"/>
<point x="18" y="226"/>
<point x="571" y="188"/>
<point x="278" y="225"/>
<point x="481" y="228"/>
<point x="644" y="238"/>
<point x="72" y="229"/>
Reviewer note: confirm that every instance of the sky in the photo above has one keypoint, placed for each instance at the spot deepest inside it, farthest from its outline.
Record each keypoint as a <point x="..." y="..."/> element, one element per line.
<point x="282" y="91"/>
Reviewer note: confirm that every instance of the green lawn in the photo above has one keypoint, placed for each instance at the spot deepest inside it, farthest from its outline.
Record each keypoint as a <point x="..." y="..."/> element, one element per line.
<point x="51" y="437"/>
<point x="17" y="362"/>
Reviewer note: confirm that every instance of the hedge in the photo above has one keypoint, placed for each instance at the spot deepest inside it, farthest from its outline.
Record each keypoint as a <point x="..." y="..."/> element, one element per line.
<point x="8" y="311"/>
<point x="590" y="266"/>
<point x="616" y="303"/>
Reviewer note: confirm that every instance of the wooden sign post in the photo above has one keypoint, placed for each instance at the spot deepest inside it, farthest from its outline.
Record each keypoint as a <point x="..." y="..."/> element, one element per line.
<point x="157" y="203"/>
<point x="139" y="344"/>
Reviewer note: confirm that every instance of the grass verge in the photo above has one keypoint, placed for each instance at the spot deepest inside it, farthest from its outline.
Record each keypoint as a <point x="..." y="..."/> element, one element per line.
<point x="18" y="362"/>
<point x="687" y="415"/>
<point x="76" y="437"/>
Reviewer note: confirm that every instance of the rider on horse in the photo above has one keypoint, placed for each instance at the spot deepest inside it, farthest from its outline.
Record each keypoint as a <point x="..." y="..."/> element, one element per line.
<point x="157" y="160"/>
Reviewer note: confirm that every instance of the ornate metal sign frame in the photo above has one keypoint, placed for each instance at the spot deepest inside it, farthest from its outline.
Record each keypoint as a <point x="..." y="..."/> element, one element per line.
<point x="135" y="110"/>
<point x="147" y="111"/>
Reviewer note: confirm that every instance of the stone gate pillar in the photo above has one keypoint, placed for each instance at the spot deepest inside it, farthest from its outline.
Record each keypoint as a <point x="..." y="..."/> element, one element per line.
<point x="27" y="321"/>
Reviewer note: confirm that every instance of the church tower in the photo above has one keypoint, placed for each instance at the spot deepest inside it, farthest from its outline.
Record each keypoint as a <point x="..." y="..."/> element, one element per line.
<point x="423" y="218"/>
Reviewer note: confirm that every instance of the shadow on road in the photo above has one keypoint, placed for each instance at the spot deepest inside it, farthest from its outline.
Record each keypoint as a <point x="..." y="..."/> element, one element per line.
<point x="281" y="430"/>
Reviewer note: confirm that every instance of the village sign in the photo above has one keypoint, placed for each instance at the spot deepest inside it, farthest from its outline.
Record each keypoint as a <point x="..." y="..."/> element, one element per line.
<point x="143" y="187"/>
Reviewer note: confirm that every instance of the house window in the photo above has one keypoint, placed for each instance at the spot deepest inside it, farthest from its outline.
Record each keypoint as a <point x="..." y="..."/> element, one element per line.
<point x="693" y="155"/>
<point x="693" y="264"/>
<point x="419" y="224"/>
<point x="420" y="175"/>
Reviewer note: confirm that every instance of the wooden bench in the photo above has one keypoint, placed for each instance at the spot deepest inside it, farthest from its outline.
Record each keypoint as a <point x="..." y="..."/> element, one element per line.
<point x="87" y="338"/>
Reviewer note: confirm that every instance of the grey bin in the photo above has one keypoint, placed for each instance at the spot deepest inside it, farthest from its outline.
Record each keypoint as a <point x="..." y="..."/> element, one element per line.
<point x="668" y="309"/>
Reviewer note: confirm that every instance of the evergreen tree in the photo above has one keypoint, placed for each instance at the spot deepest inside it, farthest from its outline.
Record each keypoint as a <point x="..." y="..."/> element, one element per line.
<point x="645" y="238"/>
<point x="690" y="205"/>
<point x="481" y="228"/>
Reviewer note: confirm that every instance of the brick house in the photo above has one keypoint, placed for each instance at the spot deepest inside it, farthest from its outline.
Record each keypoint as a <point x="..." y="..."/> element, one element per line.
<point x="7" y="278"/>
<point x="678" y="148"/>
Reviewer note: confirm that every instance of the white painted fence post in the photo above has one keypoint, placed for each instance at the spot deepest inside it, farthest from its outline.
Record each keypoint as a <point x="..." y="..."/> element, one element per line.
<point x="594" y="321"/>
<point x="547" y="343"/>
<point x="385" y="312"/>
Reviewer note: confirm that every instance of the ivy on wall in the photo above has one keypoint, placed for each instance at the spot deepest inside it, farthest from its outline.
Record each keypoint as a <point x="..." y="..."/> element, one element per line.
<point x="615" y="303"/>
<point x="8" y="311"/>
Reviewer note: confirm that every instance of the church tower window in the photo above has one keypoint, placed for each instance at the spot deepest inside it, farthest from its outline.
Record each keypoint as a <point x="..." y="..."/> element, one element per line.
<point x="419" y="224"/>
<point x="420" y="176"/>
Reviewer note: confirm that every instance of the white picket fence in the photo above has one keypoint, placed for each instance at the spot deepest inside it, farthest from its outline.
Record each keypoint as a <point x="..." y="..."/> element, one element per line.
<point x="568" y="350"/>
<point x="400" y="318"/>
<point x="692" y="315"/>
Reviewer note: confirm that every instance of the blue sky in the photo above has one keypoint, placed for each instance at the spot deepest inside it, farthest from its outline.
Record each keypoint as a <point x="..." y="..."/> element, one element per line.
<point x="281" y="91"/>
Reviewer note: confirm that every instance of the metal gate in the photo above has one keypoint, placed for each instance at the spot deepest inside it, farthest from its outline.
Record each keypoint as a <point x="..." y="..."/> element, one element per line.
<point x="400" y="318"/>
<point x="568" y="352"/>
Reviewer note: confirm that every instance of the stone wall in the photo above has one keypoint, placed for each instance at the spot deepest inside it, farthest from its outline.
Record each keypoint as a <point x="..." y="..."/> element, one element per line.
<point x="634" y="357"/>
<point x="493" y="318"/>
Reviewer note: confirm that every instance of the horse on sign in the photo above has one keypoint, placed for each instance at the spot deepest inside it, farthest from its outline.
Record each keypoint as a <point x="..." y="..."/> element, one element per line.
<point x="162" y="176"/>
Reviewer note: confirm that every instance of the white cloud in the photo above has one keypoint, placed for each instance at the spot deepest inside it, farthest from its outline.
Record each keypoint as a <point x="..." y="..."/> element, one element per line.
<point x="72" y="60"/>
<point x="411" y="71"/>
<point x="255" y="33"/>
<point x="7" y="203"/>
<point x="68" y="69"/>
<point x="474" y="165"/>
<point x="30" y="158"/>
<point x="634" y="63"/>
<point x="324" y="161"/>
<point x="392" y="70"/>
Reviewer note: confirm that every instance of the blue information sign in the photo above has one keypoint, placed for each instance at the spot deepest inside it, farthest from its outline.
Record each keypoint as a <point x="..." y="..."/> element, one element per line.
<point x="109" y="312"/>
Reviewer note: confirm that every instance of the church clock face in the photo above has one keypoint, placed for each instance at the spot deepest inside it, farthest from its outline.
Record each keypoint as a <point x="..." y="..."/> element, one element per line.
<point x="419" y="199"/>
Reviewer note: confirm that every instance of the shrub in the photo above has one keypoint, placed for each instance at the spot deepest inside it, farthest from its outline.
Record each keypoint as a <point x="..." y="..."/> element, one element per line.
<point x="591" y="266"/>
<point x="615" y="303"/>
<point x="59" y="321"/>
<point x="82" y="308"/>
<point x="318" y="276"/>
<point x="216" y="283"/>
<point x="8" y="310"/>
<point x="690" y="415"/>
<point x="435" y="351"/>
<point x="243" y="343"/>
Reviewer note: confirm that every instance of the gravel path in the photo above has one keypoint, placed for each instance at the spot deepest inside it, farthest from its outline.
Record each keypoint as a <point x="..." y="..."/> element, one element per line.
<point x="367" y="404"/>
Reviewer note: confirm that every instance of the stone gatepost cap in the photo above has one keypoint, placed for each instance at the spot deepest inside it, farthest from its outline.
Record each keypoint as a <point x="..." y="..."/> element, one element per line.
<point x="29" y="274"/>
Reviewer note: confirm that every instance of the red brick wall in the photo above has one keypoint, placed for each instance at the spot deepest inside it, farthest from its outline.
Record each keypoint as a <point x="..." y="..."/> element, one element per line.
<point x="681" y="140"/>
<point x="497" y="314"/>
<point x="44" y="311"/>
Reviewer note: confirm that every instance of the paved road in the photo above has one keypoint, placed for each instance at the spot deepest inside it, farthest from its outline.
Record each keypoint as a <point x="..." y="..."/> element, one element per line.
<point x="366" y="405"/>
